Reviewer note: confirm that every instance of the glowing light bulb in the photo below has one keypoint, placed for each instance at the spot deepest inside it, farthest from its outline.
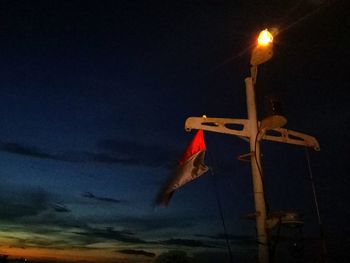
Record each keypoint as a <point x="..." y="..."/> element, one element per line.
<point x="265" y="38"/>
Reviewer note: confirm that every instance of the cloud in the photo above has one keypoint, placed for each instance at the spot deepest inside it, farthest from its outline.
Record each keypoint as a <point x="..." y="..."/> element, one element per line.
<point x="51" y="239"/>
<point x="137" y="252"/>
<point x="60" y="208"/>
<point x="238" y="240"/>
<point x="65" y="235"/>
<point x="137" y="153"/>
<point x="103" y="199"/>
<point x="185" y="242"/>
<point x="51" y="220"/>
<point x="108" y="152"/>
<point x="110" y="234"/>
<point x="156" y="223"/>
<point x="17" y="202"/>
<point x="35" y="152"/>
<point x="174" y="256"/>
<point x="107" y="158"/>
<point x="25" y="150"/>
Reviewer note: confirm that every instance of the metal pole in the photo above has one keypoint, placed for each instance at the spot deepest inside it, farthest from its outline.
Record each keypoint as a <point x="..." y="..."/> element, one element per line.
<point x="258" y="189"/>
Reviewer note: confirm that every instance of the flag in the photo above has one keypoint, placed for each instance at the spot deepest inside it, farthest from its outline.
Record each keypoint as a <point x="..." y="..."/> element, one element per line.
<point x="190" y="166"/>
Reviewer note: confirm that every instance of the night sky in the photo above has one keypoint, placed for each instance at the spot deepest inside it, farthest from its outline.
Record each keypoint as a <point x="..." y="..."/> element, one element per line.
<point x="93" y="100"/>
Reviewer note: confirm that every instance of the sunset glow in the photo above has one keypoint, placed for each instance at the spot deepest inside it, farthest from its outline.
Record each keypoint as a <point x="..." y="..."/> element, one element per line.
<point x="94" y="98"/>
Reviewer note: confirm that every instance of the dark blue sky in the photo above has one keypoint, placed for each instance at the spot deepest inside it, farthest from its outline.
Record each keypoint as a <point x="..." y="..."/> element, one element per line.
<point x="93" y="99"/>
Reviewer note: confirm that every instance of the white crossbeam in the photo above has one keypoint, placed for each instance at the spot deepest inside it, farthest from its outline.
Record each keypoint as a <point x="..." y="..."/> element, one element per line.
<point x="240" y="128"/>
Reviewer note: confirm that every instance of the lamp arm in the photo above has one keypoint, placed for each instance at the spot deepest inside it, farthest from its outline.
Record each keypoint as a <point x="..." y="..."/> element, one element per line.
<point x="238" y="127"/>
<point x="290" y="137"/>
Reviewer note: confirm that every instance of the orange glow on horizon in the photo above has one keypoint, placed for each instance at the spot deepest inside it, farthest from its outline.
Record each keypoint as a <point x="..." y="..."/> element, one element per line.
<point x="69" y="255"/>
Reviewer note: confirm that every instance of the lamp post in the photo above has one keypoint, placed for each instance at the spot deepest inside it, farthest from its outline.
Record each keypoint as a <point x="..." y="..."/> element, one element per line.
<point x="252" y="131"/>
<point x="261" y="53"/>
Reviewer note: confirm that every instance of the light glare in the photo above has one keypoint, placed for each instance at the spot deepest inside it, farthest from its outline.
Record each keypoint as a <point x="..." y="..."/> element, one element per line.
<point x="265" y="38"/>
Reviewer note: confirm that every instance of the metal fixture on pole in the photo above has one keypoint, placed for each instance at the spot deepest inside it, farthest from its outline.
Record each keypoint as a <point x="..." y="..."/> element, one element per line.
<point x="251" y="130"/>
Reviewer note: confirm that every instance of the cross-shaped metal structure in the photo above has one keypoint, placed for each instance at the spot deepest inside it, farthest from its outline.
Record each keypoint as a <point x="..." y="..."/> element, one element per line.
<point x="252" y="131"/>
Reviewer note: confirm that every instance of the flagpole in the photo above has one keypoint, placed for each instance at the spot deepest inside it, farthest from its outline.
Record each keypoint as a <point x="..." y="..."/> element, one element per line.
<point x="257" y="177"/>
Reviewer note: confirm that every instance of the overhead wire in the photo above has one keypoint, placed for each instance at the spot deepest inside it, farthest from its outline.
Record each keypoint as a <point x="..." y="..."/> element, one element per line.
<point x="314" y="192"/>
<point x="217" y="196"/>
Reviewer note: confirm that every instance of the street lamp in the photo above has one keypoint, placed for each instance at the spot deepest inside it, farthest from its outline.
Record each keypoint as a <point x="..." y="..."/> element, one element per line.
<point x="253" y="131"/>
<point x="262" y="52"/>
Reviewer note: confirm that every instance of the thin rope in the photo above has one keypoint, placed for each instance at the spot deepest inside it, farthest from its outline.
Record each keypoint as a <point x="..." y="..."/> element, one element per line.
<point x="217" y="196"/>
<point x="324" y="247"/>
<point x="313" y="186"/>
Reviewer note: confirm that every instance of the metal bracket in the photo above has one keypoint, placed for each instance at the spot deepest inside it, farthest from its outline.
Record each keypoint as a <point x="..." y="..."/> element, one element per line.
<point x="245" y="157"/>
<point x="291" y="137"/>
<point x="240" y="128"/>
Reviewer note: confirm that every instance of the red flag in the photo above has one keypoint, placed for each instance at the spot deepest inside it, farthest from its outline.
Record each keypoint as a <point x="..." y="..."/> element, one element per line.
<point x="190" y="166"/>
